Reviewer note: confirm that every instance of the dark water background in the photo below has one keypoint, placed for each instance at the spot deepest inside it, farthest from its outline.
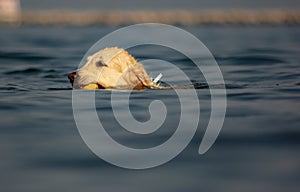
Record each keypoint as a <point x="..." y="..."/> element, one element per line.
<point x="257" y="149"/>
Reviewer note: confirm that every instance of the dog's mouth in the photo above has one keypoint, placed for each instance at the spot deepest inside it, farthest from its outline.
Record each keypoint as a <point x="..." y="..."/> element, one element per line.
<point x="140" y="86"/>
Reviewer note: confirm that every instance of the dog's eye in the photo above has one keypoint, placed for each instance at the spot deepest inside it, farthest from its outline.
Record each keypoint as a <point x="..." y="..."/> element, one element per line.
<point x="100" y="63"/>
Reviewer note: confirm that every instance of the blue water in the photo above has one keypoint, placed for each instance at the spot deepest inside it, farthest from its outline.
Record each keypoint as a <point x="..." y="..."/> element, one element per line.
<point x="257" y="149"/>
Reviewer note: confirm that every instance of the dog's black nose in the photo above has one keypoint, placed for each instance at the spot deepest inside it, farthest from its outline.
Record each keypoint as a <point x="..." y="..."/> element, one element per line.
<point x="71" y="77"/>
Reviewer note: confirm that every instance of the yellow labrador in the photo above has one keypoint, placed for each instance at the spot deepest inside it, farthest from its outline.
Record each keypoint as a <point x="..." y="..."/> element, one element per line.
<point x="112" y="68"/>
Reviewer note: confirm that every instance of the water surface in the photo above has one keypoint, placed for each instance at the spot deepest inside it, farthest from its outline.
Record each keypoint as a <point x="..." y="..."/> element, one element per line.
<point x="257" y="149"/>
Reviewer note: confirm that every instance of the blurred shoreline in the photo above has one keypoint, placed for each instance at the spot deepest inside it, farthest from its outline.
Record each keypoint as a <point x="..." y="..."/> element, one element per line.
<point x="184" y="17"/>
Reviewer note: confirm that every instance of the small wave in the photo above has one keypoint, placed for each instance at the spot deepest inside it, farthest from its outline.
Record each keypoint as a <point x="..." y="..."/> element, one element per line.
<point x="266" y="138"/>
<point x="12" y="88"/>
<point x="235" y="86"/>
<point x="30" y="70"/>
<point x="194" y="85"/>
<point x="252" y="60"/>
<point x="23" y="56"/>
<point x="59" y="89"/>
<point x="247" y="96"/>
<point x="50" y="76"/>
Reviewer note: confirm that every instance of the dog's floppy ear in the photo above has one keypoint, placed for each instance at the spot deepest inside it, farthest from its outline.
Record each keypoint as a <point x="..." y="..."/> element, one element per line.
<point x="71" y="77"/>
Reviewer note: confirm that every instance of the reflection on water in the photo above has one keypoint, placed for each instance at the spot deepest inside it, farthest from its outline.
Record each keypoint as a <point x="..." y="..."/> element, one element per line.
<point x="258" y="148"/>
